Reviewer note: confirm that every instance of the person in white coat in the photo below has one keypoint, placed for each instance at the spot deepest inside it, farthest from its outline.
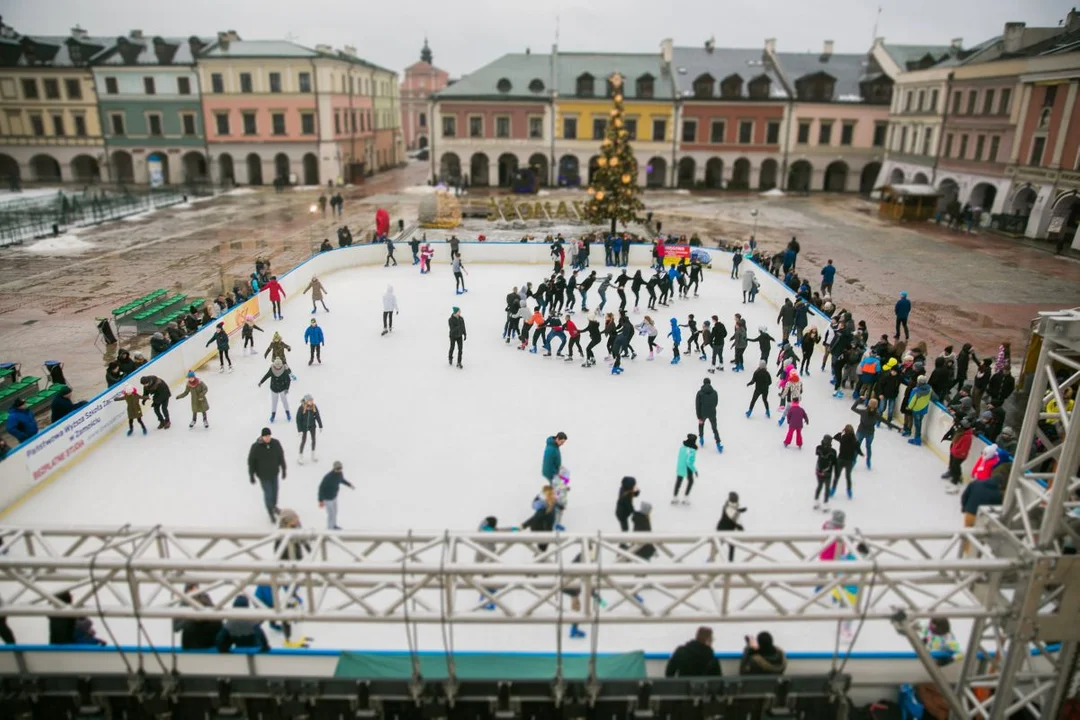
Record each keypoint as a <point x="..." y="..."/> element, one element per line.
<point x="389" y="308"/>
<point x="749" y="286"/>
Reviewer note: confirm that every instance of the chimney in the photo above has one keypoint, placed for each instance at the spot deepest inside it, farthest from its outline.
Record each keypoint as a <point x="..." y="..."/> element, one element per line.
<point x="826" y="51"/>
<point x="196" y="45"/>
<point x="770" y="46"/>
<point x="226" y="37"/>
<point x="1072" y="20"/>
<point x="324" y="48"/>
<point x="879" y="41"/>
<point x="135" y="35"/>
<point x="957" y="44"/>
<point x="1013" y="37"/>
<point x="350" y="50"/>
<point x="78" y="33"/>
<point x="667" y="50"/>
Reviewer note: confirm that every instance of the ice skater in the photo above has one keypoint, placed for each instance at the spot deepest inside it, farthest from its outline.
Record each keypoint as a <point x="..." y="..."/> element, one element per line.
<point x="314" y="339"/>
<point x="390" y="252"/>
<point x="328" y="493"/>
<point x="693" y="338"/>
<point x="280" y="377"/>
<point x="265" y="460"/>
<point x="686" y="468"/>
<point x="575" y="337"/>
<point x="635" y="288"/>
<point x="604" y="285"/>
<point x="389" y="307"/>
<point x="761" y="380"/>
<point x="196" y="389"/>
<point x="130" y="396"/>
<point x="426" y="254"/>
<point x="277" y="294"/>
<point x="593" y="329"/>
<point x="154" y="388"/>
<point x="317" y="294"/>
<point x="277" y="348"/>
<point x="739" y="343"/>
<point x="458" y="335"/>
<point x="796" y="419"/>
<point x="222" y="339"/>
<point x="247" y="333"/>
<point x="717" y="338"/>
<point x="764" y="341"/>
<point x="458" y="267"/>
<point x="584" y="288"/>
<point x="648" y="328"/>
<point x="824" y="469"/>
<point x="626" y="502"/>
<point x="308" y="419"/>
<point x="705" y="408"/>
<point x="845" y="458"/>
<point x="623" y="333"/>
<point x="676" y="340"/>
<point x="729" y="521"/>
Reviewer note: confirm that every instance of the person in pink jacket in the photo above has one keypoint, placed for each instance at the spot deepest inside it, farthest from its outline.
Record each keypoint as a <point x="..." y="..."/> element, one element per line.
<point x="988" y="460"/>
<point x="796" y="419"/>
<point x="836" y="549"/>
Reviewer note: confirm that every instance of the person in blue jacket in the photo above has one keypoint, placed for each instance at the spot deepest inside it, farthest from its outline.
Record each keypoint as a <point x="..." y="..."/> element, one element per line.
<point x="553" y="456"/>
<point x="828" y="273"/>
<point x="616" y="250"/>
<point x="21" y="423"/>
<point x="676" y="339"/>
<point x="902" y="310"/>
<point x="314" y="338"/>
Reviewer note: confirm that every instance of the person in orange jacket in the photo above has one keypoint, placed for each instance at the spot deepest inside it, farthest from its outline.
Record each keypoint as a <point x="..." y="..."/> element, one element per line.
<point x="958" y="453"/>
<point x="537" y="322"/>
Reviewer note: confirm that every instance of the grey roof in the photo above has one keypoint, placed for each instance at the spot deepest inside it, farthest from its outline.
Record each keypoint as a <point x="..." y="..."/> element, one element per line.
<point x="601" y="66"/>
<point x="51" y="50"/>
<point x="691" y="63"/>
<point x="520" y="69"/>
<point x="143" y="51"/>
<point x="847" y="68"/>
<point x="906" y="54"/>
<point x="258" y="49"/>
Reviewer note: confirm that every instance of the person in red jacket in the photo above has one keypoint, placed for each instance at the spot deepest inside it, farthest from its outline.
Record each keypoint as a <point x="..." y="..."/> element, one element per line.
<point x="575" y="338"/>
<point x="958" y="453"/>
<point x="277" y="293"/>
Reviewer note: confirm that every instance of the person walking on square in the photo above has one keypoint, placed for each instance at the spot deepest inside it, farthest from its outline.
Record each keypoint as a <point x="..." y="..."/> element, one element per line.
<point x="686" y="468"/>
<point x="328" y="493"/>
<point x="317" y="294"/>
<point x="265" y="460"/>
<point x="280" y="377"/>
<point x="902" y="312"/>
<point x="314" y="338"/>
<point x="308" y="419"/>
<point x="196" y="389"/>
<point x="458" y="336"/>
<point x="390" y="307"/>
<point x="796" y="419"/>
<point x="222" y="339"/>
<point x="705" y="408"/>
<point x="828" y="274"/>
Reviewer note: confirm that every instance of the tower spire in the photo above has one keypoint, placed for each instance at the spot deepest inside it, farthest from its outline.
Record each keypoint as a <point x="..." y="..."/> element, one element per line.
<point x="425" y="52"/>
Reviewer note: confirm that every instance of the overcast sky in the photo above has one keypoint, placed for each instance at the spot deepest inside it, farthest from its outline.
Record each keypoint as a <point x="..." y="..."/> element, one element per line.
<point x="466" y="34"/>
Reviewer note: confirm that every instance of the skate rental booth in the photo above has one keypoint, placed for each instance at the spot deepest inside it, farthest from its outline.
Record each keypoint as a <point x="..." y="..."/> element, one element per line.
<point x="1014" y="584"/>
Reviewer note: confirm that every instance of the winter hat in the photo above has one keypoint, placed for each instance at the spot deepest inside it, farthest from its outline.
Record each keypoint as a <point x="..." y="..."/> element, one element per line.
<point x="277" y="364"/>
<point x="908" y="357"/>
<point x="733" y="497"/>
<point x="191" y="373"/>
<point x="762" y="329"/>
<point x="793" y="378"/>
<point x="839" y="518"/>
<point x="277" y="336"/>
<point x="707" y="381"/>
<point x="674" y="321"/>
<point x="306" y="398"/>
<point x="903" y="294"/>
<point x="761" y="364"/>
<point x="827" y="441"/>
<point x="691" y="440"/>
<point x="986" y="416"/>
<point x="338" y="465"/>
<point x="922" y="380"/>
<point x="965" y="422"/>
<point x="628" y="483"/>
<point x="312" y="321"/>
<point x="989" y="451"/>
<point x="890" y="364"/>
<point x="965" y="403"/>
<point x="455" y="309"/>
<point x="645" y="508"/>
<point x="221" y="325"/>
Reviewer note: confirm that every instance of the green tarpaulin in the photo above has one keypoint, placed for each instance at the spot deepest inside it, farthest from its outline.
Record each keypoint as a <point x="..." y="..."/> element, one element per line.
<point x="488" y="666"/>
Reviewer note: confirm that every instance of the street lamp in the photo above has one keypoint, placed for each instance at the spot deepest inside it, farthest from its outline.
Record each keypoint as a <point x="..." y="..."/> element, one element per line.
<point x="754" y="214"/>
<point x="311" y="227"/>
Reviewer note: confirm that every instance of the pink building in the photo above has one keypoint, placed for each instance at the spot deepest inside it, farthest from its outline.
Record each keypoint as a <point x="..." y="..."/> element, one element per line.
<point x="422" y="80"/>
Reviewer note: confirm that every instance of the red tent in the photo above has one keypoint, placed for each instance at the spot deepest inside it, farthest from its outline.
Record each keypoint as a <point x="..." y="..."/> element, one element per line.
<point x="382" y="222"/>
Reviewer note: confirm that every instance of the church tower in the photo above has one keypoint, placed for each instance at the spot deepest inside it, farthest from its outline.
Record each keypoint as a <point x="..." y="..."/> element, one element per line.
<point x="425" y="53"/>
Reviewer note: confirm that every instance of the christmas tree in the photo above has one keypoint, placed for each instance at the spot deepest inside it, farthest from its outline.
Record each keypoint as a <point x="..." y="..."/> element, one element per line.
<point x="613" y="192"/>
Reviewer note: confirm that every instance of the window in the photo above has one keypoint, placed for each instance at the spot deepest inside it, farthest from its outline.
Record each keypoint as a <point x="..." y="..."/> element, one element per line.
<point x="305" y="82"/>
<point x="716" y="131"/>
<point x="703" y="87"/>
<point x="536" y="127"/>
<point x="449" y="126"/>
<point x="927" y="140"/>
<point x="502" y="127"/>
<point x="153" y="123"/>
<point x="973" y="99"/>
<point x="38" y="125"/>
<point x="222" y="122"/>
<point x="659" y="130"/>
<point x="504" y="85"/>
<point x="933" y="101"/>
<point x="29" y="88"/>
<point x="7" y="89"/>
<point x="880" y="131"/>
<point x="903" y="139"/>
<point x="476" y="127"/>
<point x="148" y="85"/>
<point x="689" y="131"/>
<point x="824" y="133"/>
<point x="746" y="132"/>
<point x="52" y="89"/>
<point x="58" y="125"/>
<point x="117" y="122"/>
<point x="847" y="133"/>
<point x="183" y="86"/>
<point x="307" y="123"/>
<point x="352" y="120"/>
<point x="907" y="101"/>
<point x="599" y="125"/>
<point x="337" y="123"/>
<point x="423" y="120"/>
<point x="980" y="144"/>
<point x="759" y="88"/>
<point x="187" y="121"/>
<point x="731" y="87"/>
<point x="1037" y="147"/>
<point x="350" y="85"/>
<point x="645" y="87"/>
<point x="948" y="145"/>
<point x="995" y="143"/>
<point x="963" y="147"/>
<point x="631" y="128"/>
<point x="772" y="133"/>
<point x="1049" y="95"/>
<point x="585" y="85"/>
<point x="110" y="86"/>
<point x="919" y="103"/>
<point x="217" y="83"/>
<point x="956" y="99"/>
<point x="249" y="123"/>
<point x="275" y="82"/>
<point x="988" y="102"/>
<point x="277" y="123"/>
<point x="804" y="132"/>
<point x="1003" y="107"/>
<point x="245" y="82"/>
<point x="80" y="125"/>
<point x="536" y="85"/>
<point x="73" y="88"/>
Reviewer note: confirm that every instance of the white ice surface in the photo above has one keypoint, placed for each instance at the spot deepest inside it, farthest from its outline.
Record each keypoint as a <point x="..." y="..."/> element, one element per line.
<point x="432" y="447"/>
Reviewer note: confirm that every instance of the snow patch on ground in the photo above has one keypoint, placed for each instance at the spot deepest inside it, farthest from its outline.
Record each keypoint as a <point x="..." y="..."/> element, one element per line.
<point x="242" y="191"/>
<point x="32" y="194"/>
<point x="67" y="244"/>
<point x="423" y="189"/>
<point x="775" y="192"/>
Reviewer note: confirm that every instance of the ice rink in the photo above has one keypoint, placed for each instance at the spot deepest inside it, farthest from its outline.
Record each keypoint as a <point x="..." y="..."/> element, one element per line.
<point x="431" y="447"/>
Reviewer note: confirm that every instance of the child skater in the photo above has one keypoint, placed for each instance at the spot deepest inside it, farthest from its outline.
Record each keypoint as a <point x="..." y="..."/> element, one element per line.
<point x="248" y="334"/>
<point x="687" y="468"/>
<point x="130" y="396"/>
<point x="676" y="339"/>
<point x="196" y="388"/>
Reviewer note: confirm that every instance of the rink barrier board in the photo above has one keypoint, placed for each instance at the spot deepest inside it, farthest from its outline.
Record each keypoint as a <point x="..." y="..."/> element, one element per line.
<point x="23" y="473"/>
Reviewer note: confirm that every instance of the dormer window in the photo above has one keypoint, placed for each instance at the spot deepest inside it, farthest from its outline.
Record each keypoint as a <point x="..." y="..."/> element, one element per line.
<point x="703" y="86"/>
<point x="536" y="85"/>
<point x="816" y="88"/>
<point x="585" y="85"/>
<point x="644" y="87"/>
<point x="503" y="86"/>
<point x="760" y="87"/>
<point x="731" y="87"/>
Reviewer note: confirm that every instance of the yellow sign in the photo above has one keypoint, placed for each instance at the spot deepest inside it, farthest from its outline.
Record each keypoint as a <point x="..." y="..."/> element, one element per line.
<point x="509" y="208"/>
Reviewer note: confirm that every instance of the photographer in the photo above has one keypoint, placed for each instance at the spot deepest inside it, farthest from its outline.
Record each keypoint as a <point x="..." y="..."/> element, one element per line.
<point x="696" y="658"/>
<point x="761" y="657"/>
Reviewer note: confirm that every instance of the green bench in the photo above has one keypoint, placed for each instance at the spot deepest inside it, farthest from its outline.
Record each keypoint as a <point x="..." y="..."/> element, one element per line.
<point x="44" y="397"/>
<point x="177" y="314"/>
<point x="24" y="388"/>
<point x="136" y="304"/>
<point x="149" y="312"/>
<point x="7" y="376"/>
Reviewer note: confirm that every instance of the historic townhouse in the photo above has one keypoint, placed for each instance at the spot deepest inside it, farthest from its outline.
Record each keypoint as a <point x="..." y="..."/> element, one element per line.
<point x="49" y="125"/>
<point x="346" y="115"/>
<point x="731" y="110"/>
<point x="421" y="81"/>
<point x="150" y="110"/>
<point x="389" y="149"/>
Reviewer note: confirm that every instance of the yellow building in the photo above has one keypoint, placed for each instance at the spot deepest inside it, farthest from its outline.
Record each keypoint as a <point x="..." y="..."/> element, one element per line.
<point x="50" y="130"/>
<point x="583" y="107"/>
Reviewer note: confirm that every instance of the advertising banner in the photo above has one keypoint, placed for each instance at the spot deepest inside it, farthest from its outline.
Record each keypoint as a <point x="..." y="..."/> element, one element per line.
<point x="53" y="449"/>
<point x="674" y="254"/>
